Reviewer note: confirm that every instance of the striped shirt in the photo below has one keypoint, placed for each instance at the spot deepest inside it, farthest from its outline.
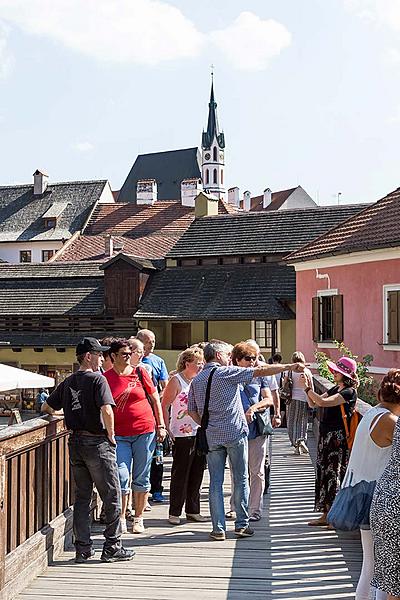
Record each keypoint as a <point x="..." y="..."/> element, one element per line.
<point x="227" y="422"/>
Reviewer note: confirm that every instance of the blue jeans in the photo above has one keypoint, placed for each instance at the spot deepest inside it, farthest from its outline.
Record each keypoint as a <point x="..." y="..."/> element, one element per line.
<point x="237" y="452"/>
<point x="139" y="450"/>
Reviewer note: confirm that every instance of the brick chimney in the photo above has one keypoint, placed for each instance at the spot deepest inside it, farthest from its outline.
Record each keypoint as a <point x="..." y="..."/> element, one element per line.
<point x="233" y="196"/>
<point x="246" y="201"/>
<point x="146" y="191"/>
<point x="40" y="181"/>
<point x="267" y="198"/>
<point x="190" y="189"/>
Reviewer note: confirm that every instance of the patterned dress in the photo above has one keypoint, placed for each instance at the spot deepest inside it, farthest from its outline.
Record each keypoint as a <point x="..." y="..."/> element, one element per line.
<point x="385" y="523"/>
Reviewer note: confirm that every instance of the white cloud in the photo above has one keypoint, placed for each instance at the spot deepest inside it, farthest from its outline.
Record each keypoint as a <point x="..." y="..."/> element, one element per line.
<point x="392" y="56"/>
<point x="6" y="60"/>
<point x="381" y="12"/>
<point x="126" y="31"/>
<point x="83" y="146"/>
<point x="249" y="43"/>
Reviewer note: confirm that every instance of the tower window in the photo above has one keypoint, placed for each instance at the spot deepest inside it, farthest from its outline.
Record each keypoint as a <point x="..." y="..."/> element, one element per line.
<point x="215" y="157"/>
<point x="207" y="176"/>
<point x="215" y="179"/>
<point x="222" y="177"/>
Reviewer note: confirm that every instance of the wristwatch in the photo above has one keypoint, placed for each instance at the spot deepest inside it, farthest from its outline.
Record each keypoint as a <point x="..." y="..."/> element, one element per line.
<point x="307" y="389"/>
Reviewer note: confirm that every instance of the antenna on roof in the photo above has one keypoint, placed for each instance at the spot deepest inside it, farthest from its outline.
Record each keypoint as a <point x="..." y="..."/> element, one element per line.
<point x="338" y="197"/>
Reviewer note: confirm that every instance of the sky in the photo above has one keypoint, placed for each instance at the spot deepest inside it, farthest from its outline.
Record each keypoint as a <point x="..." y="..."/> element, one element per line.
<point x="308" y="91"/>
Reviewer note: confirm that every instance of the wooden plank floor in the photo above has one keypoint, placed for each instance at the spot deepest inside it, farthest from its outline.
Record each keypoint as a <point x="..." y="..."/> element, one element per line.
<point x="285" y="560"/>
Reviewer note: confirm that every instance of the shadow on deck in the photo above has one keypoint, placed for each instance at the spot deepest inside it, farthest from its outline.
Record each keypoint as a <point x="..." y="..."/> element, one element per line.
<point x="285" y="560"/>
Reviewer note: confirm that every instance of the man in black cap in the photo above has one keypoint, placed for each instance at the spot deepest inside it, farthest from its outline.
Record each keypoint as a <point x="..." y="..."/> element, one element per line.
<point x="87" y="402"/>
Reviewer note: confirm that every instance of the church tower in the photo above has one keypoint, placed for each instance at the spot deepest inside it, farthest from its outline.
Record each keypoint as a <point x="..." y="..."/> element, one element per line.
<point x="213" y="152"/>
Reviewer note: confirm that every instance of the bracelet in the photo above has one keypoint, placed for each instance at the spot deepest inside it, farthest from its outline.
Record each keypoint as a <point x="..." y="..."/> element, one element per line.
<point x="161" y="427"/>
<point x="307" y="389"/>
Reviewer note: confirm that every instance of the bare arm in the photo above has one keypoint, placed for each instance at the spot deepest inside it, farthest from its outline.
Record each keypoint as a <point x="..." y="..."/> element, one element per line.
<point x="108" y="419"/>
<point x="267" y="370"/>
<point x="45" y="408"/>
<point x="382" y="433"/>
<point x="259" y="406"/>
<point x="195" y="416"/>
<point x="158" y="415"/>
<point x="170" y="393"/>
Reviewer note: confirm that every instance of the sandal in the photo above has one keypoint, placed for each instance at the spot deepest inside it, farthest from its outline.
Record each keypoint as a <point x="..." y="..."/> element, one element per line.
<point x="230" y="514"/>
<point x="320" y="522"/>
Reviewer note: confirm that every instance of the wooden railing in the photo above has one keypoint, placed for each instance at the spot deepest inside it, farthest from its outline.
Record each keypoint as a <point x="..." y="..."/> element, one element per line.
<point x="35" y="496"/>
<point x="322" y="385"/>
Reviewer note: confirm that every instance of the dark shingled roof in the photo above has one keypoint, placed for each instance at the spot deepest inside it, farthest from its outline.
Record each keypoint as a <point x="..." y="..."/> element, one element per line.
<point x="277" y="200"/>
<point x="21" y="212"/>
<point x="51" y="288"/>
<point x="270" y="232"/>
<point x="377" y="226"/>
<point x="219" y="293"/>
<point x="167" y="168"/>
<point x="56" y="339"/>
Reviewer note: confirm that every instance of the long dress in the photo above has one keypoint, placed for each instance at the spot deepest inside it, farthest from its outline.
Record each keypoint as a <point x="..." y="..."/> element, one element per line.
<point x="385" y="523"/>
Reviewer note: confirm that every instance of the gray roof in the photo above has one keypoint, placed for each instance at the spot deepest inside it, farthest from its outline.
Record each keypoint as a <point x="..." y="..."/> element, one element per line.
<point x="219" y="293"/>
<point x="271" y="232"/>
<point x="167" y="168"/>
<point x="50" y="270"/>
<point x="22" y="213"/>
<point x="56" y="339"/>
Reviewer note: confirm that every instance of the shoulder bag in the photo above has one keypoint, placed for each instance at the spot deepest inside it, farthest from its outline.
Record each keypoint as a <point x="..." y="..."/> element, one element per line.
<point x="201" y="437"/>
<point x="285" y="392"/>
<point x="263" y="419"/>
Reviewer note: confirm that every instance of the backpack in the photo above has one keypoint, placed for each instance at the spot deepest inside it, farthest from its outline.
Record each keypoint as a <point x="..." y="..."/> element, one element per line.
<point x="350" y="425"/>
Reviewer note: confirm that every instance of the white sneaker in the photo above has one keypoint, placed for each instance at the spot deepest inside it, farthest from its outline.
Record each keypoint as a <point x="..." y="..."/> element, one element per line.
<point x="303" y="448"/>
<point x="138" y="526"/>
<point x="124" y="528"/>
<point x="296" y="450"/>
<point x="174" y="520"/>
<point x="197" y="518"/>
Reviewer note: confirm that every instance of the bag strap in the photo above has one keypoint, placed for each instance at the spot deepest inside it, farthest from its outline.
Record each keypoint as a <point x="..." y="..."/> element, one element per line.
<point x="345" y="422"/>
<point x="139" y="374"/>
<point x="205" y="416"/>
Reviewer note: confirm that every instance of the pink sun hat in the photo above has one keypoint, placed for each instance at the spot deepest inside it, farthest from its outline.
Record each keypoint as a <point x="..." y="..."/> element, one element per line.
<point x="345" y="365"/>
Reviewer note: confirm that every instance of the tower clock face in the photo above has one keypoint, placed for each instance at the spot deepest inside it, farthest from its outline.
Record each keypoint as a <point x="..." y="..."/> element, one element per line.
<point x="207" y="156"/>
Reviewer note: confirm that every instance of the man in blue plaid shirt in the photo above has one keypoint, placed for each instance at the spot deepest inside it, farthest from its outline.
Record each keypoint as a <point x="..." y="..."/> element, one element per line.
<point x="227" y="430"/>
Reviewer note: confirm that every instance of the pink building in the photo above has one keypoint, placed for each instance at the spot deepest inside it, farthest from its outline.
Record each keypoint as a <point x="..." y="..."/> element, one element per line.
<point x="348" y="287"/>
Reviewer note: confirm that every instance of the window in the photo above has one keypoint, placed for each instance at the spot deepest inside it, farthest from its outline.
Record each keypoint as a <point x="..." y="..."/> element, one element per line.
<point x="392" y="314"/>
<point x="215" y="155"/>
<point x="230" y="260"/>
<point x="212" y="260"/>
<point x="215" y="176"/>
<point x="50" y="222"/>
<point x="266" y="334"/>
<point x="189" y="262"/>
<point x="250" y="258"/>
<point x="207" y="176"/>
<point x="222" y="177"/>
<point x="180" y="336"/>
<point x="327" y="317"/>
<point x="47" y="254"/>
<point x="25" y="256"/>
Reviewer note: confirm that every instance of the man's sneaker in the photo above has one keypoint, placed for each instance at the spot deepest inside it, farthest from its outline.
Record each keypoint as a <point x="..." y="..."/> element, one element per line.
<point x="196" y="518"/>
<point x="124" y="528"/>
<point x="82" y="557"/>
<point x="217" y="535"/>
<point x="117" y="554"/>
<point x="174" y="520"/>
<point x="157" y="497"/>
<point x="303" y="447"/>
<point x="244" y="532"/>
<point x="138" y="526"/>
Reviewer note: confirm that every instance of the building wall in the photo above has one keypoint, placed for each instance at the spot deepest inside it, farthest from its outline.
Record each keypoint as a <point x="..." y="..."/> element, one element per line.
<point x="9" y="251"/>
<point x="45" y="362"/>
<point x="299" y="199"/>
<point x="288" y="339"/>
<point x="362" y="287"/>
<point x="229" y="331"/>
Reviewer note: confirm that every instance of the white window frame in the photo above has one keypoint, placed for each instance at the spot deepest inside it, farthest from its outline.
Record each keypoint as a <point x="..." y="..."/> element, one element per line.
<point x="320" y="294"/>
<point x="392" y="287"/>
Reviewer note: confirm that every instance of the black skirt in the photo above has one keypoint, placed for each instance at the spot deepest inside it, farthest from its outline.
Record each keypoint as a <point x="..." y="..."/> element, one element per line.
<point x="332" y="460"/>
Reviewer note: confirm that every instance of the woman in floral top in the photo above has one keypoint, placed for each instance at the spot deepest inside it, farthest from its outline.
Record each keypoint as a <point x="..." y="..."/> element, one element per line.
<point x="187" y="467"/>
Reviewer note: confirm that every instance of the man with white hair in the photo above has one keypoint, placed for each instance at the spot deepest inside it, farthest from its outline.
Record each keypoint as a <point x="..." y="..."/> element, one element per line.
<point x="227" y="430"/>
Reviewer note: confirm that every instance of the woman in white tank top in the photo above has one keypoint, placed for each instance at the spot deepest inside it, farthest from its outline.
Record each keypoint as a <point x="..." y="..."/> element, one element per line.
<point x="368" y="459"/>
<point x="187" y="466"/>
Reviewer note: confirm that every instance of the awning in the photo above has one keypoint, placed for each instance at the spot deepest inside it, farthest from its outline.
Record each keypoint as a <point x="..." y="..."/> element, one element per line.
<point x="12" y="378"/>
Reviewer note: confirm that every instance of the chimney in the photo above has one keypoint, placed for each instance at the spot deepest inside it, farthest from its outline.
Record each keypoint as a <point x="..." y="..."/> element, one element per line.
<point x="40" y="181"/>
<point x="205" y="205"/>
<point x="190" y="189"/>
<point x="233" y="196"/>
<point x="109" y="246"/>
<point x="146" y="191"/>
<point x="246" y="201"/>
<point x="267" y="198"/>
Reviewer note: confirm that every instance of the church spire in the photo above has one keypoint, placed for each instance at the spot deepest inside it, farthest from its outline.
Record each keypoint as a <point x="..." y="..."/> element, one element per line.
<point x="212" y="124"/>
<point x="213" y="151"/>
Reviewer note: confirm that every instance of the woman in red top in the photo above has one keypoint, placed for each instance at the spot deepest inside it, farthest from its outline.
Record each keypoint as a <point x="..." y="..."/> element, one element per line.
<point x="136" y="415"/>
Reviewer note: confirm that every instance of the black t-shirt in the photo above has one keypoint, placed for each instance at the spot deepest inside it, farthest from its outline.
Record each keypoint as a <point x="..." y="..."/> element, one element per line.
<point x="81" y="396"/>
<point x="331" y="417"/>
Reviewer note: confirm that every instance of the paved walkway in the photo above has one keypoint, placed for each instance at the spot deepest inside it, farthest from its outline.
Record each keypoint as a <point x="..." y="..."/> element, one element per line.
<point x="285" y="560"/>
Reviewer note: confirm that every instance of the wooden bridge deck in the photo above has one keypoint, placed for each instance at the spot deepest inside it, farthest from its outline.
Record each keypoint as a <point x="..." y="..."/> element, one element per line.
<point x="285" y="560"/>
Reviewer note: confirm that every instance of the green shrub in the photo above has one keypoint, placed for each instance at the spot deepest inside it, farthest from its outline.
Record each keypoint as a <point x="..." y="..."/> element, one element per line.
<point x="368" y="387"/>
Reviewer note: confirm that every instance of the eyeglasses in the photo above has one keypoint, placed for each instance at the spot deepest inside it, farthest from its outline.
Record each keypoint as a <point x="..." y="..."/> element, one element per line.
<point x="125" y="354"/>
<point x="137" y="352"/>
<point x="249" y="358"/>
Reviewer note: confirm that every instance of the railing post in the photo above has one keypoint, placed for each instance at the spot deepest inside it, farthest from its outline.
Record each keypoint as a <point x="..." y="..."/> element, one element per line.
<point x="3" y="518"/>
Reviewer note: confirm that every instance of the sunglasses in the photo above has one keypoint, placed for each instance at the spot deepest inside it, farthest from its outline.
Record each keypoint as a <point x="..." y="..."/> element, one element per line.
<point x="125" y="354"/>
<point x="249" y="358"/>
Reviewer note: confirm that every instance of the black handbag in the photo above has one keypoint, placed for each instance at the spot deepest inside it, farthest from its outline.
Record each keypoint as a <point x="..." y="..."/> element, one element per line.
<point x="262" y="418"/>
<point x="285" y="391"/>
<point x="201" y="436"/>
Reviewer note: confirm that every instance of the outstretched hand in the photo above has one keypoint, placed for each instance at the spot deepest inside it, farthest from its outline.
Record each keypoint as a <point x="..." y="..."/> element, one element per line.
<point x="298" y="367"/>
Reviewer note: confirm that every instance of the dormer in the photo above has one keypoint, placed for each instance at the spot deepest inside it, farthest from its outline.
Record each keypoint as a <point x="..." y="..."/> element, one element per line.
<point x="53" y="213"/>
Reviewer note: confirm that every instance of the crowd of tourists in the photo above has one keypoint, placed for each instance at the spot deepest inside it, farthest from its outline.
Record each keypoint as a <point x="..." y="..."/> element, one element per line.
<point x="215" y="410"/>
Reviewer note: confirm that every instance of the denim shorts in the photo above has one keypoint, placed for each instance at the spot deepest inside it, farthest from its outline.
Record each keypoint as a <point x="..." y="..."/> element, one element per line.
<point x="136" y="449"/>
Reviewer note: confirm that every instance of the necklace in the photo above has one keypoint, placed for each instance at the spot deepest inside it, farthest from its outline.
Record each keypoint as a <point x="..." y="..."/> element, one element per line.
<point x="185" y="378"/>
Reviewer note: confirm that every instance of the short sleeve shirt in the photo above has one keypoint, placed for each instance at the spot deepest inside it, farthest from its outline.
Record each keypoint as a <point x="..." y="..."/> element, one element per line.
<point x="331" y="417"/>
<point x="158" y="368"/>
<point x="81" y="396"/>
<point x="133" y="414"/>
<point x="227" y="422"/>
<point x="251" y="394"/>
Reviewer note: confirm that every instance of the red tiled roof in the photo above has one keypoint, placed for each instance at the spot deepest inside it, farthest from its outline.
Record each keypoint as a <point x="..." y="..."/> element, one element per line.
<point x="374" y="227"/>
<point x="277" y="199"/>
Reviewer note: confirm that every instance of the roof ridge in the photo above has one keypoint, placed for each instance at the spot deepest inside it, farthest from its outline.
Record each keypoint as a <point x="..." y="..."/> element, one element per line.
<point x="51" y="184"/>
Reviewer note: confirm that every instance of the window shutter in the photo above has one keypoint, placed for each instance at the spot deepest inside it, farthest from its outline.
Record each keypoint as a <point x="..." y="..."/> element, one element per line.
<point x="315" y="319"/>
<point x="337" y="306"/>
<point x="393" y="317"/>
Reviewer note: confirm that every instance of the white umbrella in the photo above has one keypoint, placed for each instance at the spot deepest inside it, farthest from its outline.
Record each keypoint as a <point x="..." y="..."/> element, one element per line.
<point x="12" y="378"/>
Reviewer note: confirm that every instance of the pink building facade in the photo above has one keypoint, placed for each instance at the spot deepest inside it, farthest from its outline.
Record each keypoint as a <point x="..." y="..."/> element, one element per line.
<point x="354" y="298"/>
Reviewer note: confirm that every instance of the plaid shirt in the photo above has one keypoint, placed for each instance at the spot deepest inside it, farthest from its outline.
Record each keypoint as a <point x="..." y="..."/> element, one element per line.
<point x="227" y="422"/>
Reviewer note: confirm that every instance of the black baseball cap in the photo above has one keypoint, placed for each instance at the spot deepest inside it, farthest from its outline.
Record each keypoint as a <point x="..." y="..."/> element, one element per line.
<point x="89" y="344"/>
